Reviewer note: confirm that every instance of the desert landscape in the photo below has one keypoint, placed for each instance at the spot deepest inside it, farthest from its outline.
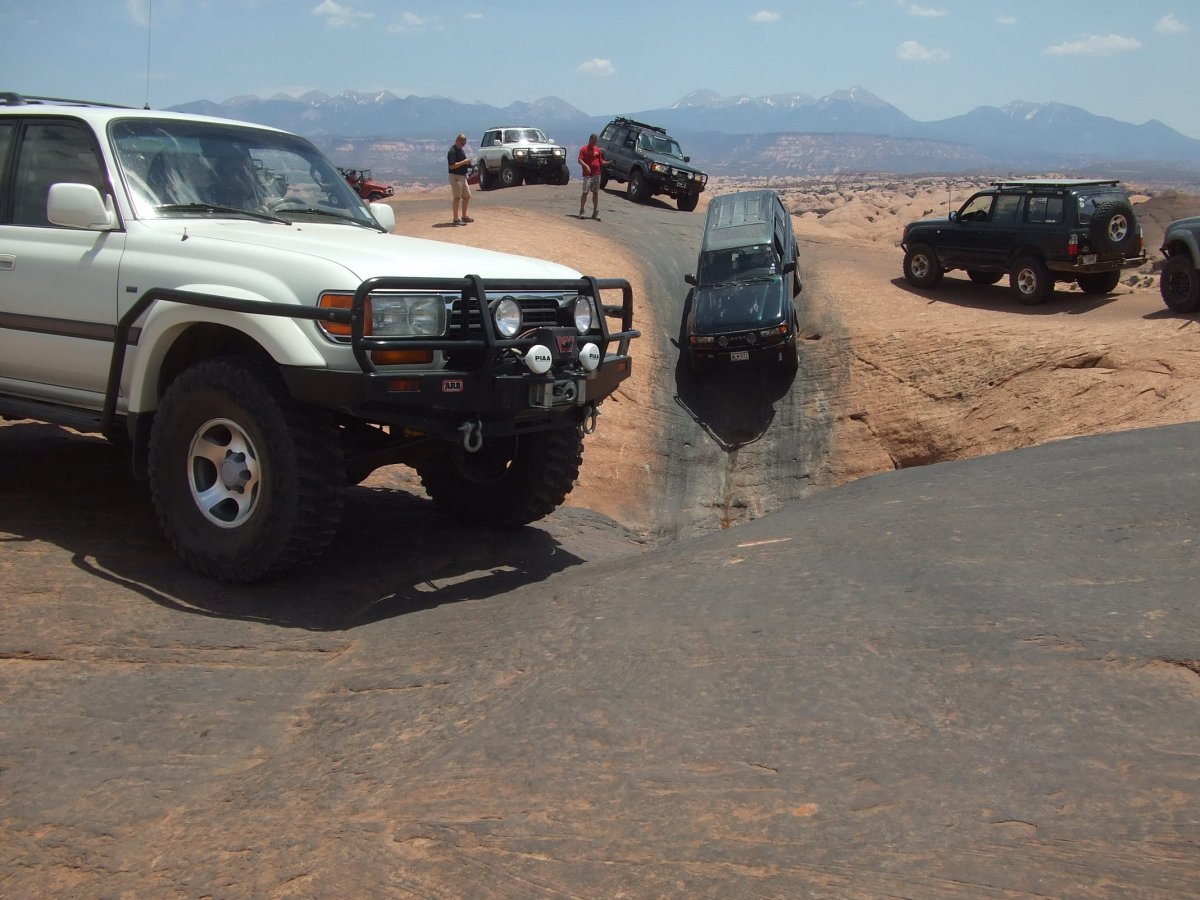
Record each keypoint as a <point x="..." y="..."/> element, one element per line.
<point x="906" y="377"/>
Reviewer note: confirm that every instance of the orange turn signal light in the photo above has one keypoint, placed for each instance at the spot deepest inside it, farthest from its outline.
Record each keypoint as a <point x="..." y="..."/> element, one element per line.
<point x="400" y="357"/>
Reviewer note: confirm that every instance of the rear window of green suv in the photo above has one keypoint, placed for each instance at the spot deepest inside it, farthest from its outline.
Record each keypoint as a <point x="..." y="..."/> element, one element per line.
<point x="1088" y="203"/>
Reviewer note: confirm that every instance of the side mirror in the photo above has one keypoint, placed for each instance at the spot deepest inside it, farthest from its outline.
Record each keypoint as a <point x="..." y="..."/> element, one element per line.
<point x="954" y="216"/>
<point x="384" y="215"/>
<point x="789" y="267"/>
<point x="80" y="206"/>
<point x="687" y="159"/>
<point x="690" y="279"/>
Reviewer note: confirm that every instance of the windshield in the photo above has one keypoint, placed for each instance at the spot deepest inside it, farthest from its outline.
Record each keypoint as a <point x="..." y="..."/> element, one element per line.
<point x="655" y="143"/>
<point x="531" y="135"/>
<point x="738" y="264"/>
<point x="188" y="168"/>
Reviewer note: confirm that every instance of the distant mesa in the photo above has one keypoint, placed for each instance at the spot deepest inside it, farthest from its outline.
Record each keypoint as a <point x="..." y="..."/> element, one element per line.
<point x="846" y="130"/>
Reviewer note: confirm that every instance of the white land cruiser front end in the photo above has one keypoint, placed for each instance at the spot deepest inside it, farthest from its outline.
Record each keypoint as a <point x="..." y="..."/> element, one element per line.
<point x="217" y="294"/>
<point x="510" y="155"/>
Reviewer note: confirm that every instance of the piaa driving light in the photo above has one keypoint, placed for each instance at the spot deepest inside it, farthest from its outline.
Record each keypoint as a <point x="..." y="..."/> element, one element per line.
<point x="507" y="316"/>
<point x="583" y="314"/>
<point x="407" y="315"/>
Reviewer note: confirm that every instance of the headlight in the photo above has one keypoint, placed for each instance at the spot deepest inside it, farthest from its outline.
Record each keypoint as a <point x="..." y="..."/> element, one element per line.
<point x="407" y="315"/>
<point x="583" y="314"/>
<point x="520" y="154"/>
<point x="507" y="316"/>
<point x="658" y="167"/>
<point x="559" y="151"/>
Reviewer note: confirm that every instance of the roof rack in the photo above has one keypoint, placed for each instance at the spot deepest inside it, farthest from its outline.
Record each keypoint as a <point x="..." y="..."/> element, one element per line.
<point x="8" y="98"/>
<point x="621" y="120"/>
<point x="1053" y="182"/>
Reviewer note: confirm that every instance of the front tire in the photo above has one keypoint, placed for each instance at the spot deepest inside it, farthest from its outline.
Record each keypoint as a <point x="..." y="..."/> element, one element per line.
<point x="246" y="482"/>
<point x="487" y="181"/>
<point x="922" y="268"/>
<point x="688" y="202"/>
<point x="510" y="481"/>
<point x="564" y="175"/>
<point x="509" y="175"/>
<point x="639" y="191"/>
<point x="1099" y="282"/>
<point x="1030" y="281"/>
<point x="1179" y="284"/>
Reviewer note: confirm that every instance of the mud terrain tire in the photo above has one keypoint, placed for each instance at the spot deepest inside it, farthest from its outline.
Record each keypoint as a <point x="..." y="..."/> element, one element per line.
<point x="688" y="202"/>
<point x="1179" y="284"/>
<point x="639" y="191"/>
<point x="510" y="481"/>
<point x="246" y="482"/>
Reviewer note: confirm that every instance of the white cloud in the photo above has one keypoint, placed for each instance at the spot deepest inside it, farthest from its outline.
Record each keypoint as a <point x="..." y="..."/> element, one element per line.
<point x="1096" y="45"/>
<point x="138" y="11"/>
<point x="601" y="68"/>
<point x="473" y="15"/>
<point x="411" y="23"/>
<point x="1168" y="24"/>
<point x="911" y="51"/>
<point x="1006" y="20"/>
<point x="925" y="12"/>
<point x="339" y="16"/>
<point x="764" y="17"/>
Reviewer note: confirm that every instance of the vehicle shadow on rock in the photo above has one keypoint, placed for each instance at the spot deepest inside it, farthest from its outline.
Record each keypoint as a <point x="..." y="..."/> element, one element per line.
<point x="654" y="202"/>
<point x="394" y="553"/>
<point x="734" y="404"/>
<point x="999" y="298"/>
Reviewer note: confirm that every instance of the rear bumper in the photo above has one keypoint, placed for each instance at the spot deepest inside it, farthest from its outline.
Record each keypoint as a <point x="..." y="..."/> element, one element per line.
<point x="1101" y="265"/>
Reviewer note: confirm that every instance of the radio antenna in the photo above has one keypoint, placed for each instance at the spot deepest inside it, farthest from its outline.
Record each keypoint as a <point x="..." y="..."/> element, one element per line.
<point x="149" y="33"/>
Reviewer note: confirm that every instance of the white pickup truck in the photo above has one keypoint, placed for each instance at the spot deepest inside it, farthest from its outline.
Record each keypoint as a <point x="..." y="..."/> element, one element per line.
<point x="215" y="295"/>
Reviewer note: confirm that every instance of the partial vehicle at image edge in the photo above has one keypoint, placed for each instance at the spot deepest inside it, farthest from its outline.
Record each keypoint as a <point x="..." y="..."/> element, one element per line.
<point x="1179" y="281"/>
<point x="1035" y="231"/>
<point x="255" y="334"/>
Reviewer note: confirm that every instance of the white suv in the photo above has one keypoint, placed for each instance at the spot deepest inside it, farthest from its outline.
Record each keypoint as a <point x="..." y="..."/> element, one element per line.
<point x="216" y="295"/>
<point x="511" y="154"/>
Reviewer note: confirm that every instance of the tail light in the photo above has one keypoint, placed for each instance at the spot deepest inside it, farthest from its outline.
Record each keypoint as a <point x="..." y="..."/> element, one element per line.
<point x="1073" y="245"/>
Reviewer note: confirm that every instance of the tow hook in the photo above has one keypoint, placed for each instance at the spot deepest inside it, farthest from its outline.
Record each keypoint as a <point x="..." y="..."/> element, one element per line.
<point x="472" y="433"/>
<point x="589" y="419"/>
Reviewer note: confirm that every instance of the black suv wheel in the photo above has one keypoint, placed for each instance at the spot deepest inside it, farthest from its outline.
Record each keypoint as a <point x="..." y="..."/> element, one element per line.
<point x="921" y="267"/>
<point x="1031" y="281"/>
<point x="1179" y="284"/>
<point x="639" y="192"/>
<point x="1099" y="283"/>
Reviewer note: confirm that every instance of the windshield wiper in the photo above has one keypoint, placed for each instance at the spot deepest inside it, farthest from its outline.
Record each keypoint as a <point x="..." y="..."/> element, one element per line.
<point x="213" y="208"/>
<point x="314" y="211"/>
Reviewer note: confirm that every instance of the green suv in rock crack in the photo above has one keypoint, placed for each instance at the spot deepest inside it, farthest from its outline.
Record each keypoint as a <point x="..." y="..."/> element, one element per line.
<point x="1037" y="232"/>
<point x="650" y="162"/>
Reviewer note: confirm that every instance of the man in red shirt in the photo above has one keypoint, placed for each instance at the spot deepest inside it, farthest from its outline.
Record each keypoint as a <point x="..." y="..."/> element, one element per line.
<point x="591" y="159"/>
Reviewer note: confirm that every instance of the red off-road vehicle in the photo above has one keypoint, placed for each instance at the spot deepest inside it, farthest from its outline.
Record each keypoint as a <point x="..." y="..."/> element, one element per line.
<point x="365" y="186"/>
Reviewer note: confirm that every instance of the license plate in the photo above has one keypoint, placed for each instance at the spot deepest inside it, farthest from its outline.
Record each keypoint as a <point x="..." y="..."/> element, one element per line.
<point x="740" y="355"/>
<point x="1088" y="259"/>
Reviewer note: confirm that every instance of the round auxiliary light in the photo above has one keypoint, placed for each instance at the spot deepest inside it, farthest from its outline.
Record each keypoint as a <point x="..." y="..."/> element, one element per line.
<point x="589" y="357"/>
<point x="539" y="359"/>
<point x="583" y="314"/>
<point x="507" y="317"/>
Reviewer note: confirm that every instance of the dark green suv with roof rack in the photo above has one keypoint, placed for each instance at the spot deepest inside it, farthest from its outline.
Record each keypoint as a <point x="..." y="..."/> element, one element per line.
<point x="650" y="162"/>
<point x="1036" y="231"/>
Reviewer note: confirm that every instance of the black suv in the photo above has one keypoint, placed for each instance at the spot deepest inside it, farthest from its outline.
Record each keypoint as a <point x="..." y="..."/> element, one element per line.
<point x="651" y="162"/>
<point x="1037" y="232"/>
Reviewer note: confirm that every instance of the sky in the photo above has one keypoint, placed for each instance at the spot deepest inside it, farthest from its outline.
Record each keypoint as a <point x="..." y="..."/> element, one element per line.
<point x="932" y="59"/>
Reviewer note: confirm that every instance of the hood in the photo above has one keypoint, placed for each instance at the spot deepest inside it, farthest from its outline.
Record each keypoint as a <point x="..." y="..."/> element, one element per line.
<point x="936" y="221"/>
<point x="361" y="251"/>
<point x="738" y="307"/>
<point x="1191" y="222"/>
